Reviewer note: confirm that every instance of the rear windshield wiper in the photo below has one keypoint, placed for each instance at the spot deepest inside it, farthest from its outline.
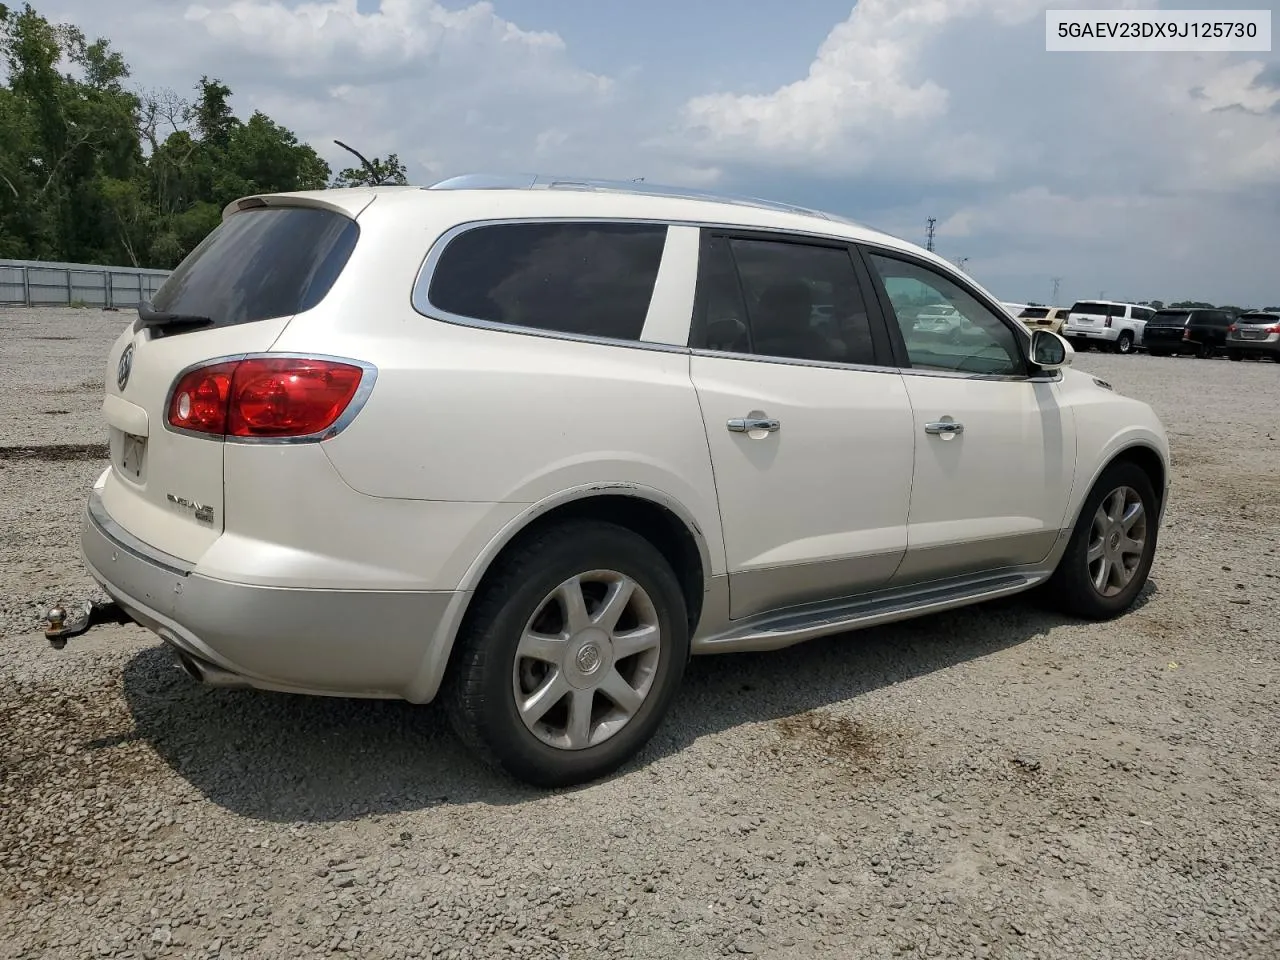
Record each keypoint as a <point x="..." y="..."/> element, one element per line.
<point x="148" y="316"/>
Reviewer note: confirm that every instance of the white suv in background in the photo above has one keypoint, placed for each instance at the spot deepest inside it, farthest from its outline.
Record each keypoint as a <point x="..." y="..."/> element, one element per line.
<point x="1117" y="326"/>
<point x="524" y="446"/>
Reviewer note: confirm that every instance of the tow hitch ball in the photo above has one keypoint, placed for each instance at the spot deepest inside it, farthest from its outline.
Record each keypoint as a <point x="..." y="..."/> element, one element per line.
<point x="65" y="623"/>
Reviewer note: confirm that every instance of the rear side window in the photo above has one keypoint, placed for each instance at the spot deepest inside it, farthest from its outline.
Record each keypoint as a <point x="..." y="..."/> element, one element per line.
<point x="588" y="279"/>
<point x="1035" y="313"/>
<point x="259" y="264"/>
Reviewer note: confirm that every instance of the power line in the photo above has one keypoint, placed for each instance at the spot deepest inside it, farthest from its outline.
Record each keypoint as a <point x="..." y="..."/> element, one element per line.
<point x="929" y="244"/>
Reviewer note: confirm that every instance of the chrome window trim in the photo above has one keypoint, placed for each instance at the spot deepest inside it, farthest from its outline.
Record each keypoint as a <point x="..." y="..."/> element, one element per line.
<point x="423" y="306"/>
<point x="362" y="394"/>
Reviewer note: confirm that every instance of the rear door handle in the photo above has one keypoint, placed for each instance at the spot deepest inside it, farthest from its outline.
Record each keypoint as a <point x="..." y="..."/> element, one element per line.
<point x="747" y="424"/>
<point x="945" y="428"/>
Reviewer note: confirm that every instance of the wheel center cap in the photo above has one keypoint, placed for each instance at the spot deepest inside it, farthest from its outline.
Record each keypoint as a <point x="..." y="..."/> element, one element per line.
<point x="588" y="658"/>
<point x="1114" y="541"/>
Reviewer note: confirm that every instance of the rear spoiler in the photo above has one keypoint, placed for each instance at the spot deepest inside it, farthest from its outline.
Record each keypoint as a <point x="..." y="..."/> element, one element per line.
<point x="349" y="202"/>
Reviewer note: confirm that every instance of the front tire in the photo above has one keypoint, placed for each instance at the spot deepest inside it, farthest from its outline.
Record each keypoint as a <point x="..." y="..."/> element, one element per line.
<point x="571" y="656"/>
<point x="1109" y="556"/>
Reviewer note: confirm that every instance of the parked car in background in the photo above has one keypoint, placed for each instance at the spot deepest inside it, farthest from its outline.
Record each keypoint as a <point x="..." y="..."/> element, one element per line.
<point x="1044" y="318"/>
<point x="1107" y="324"/>
<point x="1192" y="330"/>
<point x="940" y="320"/>
<point x="1255" y="334"/>
<point x="525" y="446"/>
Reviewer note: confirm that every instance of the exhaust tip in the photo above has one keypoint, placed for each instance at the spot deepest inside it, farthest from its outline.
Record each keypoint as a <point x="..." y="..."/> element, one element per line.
<point x="188" y="665"/>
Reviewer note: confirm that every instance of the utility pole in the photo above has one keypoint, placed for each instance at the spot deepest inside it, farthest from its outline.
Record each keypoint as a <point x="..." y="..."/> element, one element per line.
<point x="929" y="244"/>
<point x="1056" y="282"/>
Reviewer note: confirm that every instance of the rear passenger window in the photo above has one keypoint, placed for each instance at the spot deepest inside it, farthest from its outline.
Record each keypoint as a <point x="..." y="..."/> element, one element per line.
<point x="589" y="279"/>
<point x="795" y="301"/>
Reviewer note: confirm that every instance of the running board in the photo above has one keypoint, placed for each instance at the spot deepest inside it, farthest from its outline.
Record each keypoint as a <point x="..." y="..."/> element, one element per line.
<point x="784" y="629"/>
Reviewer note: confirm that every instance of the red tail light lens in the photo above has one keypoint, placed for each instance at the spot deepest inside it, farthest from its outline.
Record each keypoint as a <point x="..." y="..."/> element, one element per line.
<point x="199" y="401"/>
<point x="1232" y="328"/>
<point x="1108" y="321"/>
<point x="1274" y="329"/>
<point x="264" y="397"/>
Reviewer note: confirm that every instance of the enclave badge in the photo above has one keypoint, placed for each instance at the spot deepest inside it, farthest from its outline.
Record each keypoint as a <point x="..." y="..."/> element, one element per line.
<point x="125" y="367"/>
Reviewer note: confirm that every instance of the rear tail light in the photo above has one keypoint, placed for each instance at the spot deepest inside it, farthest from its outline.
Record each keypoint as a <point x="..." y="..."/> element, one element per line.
<point x="1108" y="321"/>
<point x="1275" y="328"/>
<point x="266" y="397"/>
<point x="1232" y="328"/>
<point x="1186" y="334"/>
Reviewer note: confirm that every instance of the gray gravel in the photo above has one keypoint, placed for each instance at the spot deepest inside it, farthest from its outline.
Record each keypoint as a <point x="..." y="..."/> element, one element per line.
<point x="994" y="782"/>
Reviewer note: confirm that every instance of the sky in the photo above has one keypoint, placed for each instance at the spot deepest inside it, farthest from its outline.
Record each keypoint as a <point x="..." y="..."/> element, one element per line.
<point x="1129" y="176"/>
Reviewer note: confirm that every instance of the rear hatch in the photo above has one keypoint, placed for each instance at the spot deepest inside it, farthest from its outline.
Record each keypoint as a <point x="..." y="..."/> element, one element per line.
<point x="1167" y="325"/>
<point x="1257" y="326"/>
<point x="1090" y="314"/>
<point x="234" y="294"/>
<point x="1035" y="316"/>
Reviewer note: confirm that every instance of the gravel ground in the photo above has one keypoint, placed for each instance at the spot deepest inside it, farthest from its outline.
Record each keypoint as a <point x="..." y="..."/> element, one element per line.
<point x="994" y="782"/>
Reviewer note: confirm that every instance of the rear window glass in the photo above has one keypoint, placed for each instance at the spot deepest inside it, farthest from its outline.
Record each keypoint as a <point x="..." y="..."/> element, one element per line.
<point x="1259" y="318"/>
<point x="1170" y="316"/>
<point x="1035" y="313"/>
<point x="261" y="263"/>
<point x="589" y="279"/>
<point x="1097" y="309"/>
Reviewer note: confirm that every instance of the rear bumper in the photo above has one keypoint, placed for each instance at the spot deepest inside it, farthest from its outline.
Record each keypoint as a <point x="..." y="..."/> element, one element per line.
<point x="1091" y="333"/>
<point x="1268" y="348"/>
<point x="358" y="643"/>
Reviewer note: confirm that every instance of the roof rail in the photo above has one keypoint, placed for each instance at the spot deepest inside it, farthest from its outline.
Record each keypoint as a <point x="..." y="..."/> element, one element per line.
<point x="485" y="181"/>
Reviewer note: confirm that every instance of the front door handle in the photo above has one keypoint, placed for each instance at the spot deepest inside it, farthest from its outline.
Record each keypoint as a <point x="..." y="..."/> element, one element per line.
<point x="747" y="424"/>
<point x="944" y="428"/>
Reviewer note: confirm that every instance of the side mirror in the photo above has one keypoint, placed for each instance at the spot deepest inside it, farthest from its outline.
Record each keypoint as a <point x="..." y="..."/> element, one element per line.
<point x="1050" y="351"/>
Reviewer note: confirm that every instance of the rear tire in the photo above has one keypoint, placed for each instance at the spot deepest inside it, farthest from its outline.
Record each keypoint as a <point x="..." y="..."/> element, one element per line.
<point x="1158" y="353"/>
<point x="1124" y="344"/>
<point x="537" y="688"/>
<point x="1235" y="355"/>
<point x="1101" y="573"/>
<point x="1206" y="351"/>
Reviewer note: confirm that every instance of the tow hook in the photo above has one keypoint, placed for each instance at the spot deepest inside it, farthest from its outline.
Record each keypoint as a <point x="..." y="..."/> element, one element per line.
<point x="65" y="623"/>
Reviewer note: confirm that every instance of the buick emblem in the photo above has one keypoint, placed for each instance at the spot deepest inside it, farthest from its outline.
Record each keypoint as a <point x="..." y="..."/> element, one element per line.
<point x="125" y="367"/>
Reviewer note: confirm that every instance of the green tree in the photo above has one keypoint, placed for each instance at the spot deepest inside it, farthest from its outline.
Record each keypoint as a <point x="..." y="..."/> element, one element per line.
<point x="92" y="171"/>
<point x="371" y="173"/>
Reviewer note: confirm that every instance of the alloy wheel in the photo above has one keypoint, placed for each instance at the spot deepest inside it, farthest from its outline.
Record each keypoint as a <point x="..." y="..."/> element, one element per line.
<point x="586" y="660"/>
<point x="1117" y="541"/>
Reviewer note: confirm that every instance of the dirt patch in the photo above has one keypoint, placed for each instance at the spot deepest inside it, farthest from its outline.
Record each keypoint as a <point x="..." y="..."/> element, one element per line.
<point x="842" y="740"/>
<point x="54" y="452"/>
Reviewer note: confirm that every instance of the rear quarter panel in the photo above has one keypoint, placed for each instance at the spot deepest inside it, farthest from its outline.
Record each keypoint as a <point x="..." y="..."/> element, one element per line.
<point x="463" y="414"/>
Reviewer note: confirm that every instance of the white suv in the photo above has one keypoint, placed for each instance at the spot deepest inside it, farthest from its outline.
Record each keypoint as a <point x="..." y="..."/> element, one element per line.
<point x="1118" y="326"/>
<point x="525" y="446"/>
